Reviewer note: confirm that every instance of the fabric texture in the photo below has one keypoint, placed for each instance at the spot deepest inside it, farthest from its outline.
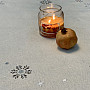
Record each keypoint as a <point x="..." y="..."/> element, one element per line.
<point x="50" y="67"/>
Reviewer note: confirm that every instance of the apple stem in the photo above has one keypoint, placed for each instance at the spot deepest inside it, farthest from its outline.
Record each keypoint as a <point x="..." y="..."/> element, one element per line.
<point x="63" y="31"/>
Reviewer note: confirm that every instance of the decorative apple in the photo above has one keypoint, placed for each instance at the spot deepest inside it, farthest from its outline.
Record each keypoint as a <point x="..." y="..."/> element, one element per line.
<point x="66" y="38"/>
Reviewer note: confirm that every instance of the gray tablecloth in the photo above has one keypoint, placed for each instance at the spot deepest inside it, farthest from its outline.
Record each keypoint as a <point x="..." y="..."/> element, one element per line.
<point x="29" y="61"/>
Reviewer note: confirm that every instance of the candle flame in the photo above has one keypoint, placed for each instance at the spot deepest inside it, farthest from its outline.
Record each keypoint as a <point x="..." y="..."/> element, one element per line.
<point x="53" y="16"/>
<point x="51" y="5"/>
<point x="48" y="7"/>
<point x="49" y="21"/>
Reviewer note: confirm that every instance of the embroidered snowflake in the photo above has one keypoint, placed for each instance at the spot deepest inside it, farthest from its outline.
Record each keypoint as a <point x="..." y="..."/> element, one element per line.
<point x="79" y="0"/>
<point x="21" y="72"/>
<point x="2" y="3"/>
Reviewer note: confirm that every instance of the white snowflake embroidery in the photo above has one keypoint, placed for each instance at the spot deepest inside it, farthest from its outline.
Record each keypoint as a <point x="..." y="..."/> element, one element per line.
<point x="21" y="71"/>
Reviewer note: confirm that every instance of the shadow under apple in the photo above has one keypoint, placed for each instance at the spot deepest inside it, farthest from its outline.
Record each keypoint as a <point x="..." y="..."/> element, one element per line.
<point x="73" y="49"/>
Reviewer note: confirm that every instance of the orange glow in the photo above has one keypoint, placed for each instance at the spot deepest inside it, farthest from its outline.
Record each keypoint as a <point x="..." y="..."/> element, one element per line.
<point x="53" y="16"/>
<point x="49" y="21"/>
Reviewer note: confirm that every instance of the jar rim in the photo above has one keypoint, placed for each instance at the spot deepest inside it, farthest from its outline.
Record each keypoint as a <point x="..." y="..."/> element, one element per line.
<point x="46" y="7"/>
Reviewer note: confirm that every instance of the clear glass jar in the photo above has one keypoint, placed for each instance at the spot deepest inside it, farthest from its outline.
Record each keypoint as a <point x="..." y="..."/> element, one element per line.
<point x="50" y="20"/>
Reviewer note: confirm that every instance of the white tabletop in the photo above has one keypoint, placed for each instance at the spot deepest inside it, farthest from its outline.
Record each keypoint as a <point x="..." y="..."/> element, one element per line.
<point x="52" y="68"/>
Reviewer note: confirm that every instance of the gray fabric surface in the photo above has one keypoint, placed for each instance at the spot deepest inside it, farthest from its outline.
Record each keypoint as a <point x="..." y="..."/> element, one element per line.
<point x="52" y="68"/>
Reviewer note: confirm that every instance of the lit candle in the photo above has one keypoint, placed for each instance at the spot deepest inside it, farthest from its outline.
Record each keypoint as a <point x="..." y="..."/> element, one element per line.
<point x="51" y="24"/>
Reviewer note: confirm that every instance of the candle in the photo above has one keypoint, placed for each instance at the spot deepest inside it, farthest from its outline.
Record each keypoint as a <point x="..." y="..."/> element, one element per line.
<point x="50" y="25"/>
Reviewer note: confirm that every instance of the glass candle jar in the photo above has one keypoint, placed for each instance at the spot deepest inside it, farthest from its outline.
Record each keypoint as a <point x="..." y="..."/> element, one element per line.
<point x="50" y="20"/>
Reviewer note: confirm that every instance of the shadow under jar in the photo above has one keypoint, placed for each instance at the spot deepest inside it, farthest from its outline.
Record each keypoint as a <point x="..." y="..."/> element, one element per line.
<point x="50" y="20"/>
